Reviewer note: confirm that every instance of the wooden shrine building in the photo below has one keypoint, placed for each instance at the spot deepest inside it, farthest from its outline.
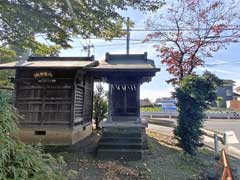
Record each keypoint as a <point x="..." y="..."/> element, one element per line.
<point x="124" y="130"/>
<point x="55" y="97"/>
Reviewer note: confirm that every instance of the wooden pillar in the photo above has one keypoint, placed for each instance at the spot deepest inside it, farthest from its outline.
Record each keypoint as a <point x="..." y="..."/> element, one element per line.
<point x="109" y="119"/>
<point x="138" y="102"/>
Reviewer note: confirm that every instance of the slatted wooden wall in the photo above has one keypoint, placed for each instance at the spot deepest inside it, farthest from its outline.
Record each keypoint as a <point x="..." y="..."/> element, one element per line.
<point x="66" y="102"/>
<point x="83" y="104"/>
<point x="44" y="104"/>
<point x="88" y="99"/>
<point x="79" y="100"/>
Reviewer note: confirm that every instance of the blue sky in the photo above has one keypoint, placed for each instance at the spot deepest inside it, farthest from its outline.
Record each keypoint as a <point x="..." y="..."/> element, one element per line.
<point x="225" y="63"/>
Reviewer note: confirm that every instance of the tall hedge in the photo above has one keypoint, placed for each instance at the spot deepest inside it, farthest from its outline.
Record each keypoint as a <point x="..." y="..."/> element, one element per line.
<point x="195" y="94"/>
<point x="19" y="161"/>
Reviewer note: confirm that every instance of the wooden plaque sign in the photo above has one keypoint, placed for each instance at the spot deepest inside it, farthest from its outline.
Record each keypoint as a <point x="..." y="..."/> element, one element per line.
<point x="44" y="77"/>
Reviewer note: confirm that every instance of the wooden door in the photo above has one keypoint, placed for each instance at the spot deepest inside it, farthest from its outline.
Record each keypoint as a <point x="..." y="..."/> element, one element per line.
<point x="44" y="103"/>
<point x="124" y="102"/>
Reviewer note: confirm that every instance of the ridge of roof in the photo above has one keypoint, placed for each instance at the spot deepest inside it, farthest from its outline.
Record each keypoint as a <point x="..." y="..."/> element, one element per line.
<point x="126" y="57"/>
<point x="49" y="64"/>
<point x="59" y="58"/>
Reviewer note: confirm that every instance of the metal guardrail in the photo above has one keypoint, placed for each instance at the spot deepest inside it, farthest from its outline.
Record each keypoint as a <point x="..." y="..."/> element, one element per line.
<point x="212" y="115"/>
<point x="212" y="134"/>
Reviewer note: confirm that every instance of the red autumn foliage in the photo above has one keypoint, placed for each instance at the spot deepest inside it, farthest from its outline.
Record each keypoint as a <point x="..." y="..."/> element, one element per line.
<point x="197" y="29"/>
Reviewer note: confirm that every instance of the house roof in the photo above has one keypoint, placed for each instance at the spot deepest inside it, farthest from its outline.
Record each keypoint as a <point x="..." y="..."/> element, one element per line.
<point x="51" y="62"/>
<point x="238" y="88"/>
<point x="113" y="62"/>
<point x="228" y="81"/>
<point x="145" y="102"/>
<point x="236" y="94"/>
<point x="121" y="62"/>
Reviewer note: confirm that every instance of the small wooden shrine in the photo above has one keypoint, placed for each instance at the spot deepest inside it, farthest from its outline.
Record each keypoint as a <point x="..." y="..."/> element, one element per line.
<point x="124" y="130"/>
<point x="54" y="96"/>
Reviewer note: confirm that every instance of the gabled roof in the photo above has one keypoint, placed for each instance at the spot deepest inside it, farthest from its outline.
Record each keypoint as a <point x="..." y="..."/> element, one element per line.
<point x="51" y="62"/>
<point x="113" y="63"/>
<point x="123" y="62"/>
<point x="145" y="102"/>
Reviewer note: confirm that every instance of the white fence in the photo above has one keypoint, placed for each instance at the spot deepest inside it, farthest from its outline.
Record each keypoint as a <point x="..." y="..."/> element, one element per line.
<point x="209" y="115"/>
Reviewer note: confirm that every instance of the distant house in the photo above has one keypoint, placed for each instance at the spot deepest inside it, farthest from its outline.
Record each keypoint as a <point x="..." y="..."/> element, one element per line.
<point x="237" y="94"/>
<point x="235" y="103"/>
<point x="145" y="103"/>
<point x="226" y="91"/>
<point x="166" y="103"/>
<point x="238" y="89"/>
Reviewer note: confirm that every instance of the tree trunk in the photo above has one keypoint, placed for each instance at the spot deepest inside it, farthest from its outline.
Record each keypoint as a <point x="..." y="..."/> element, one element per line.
<point x="97" y="123"/>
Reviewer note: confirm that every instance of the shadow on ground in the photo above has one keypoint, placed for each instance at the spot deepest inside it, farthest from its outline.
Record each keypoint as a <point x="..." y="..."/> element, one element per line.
<point x="162" y="161"/>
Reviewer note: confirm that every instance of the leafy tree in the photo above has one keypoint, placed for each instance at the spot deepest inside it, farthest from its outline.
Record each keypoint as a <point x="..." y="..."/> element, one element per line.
<point x="37" y="48"/>
<point x="195" y="94"/>
<point x="22" y="21"/>
<point x="193" y="30"/>
<point x="6" y="55"/>
<point x="99" y="105"/>
<point x="19" y="161"/>
<point x="219" y="101"/>
<point x="13" y="52"/>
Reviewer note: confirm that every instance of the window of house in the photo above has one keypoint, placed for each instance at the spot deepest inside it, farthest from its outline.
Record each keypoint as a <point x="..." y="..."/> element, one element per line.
<point x="228" y="92"/>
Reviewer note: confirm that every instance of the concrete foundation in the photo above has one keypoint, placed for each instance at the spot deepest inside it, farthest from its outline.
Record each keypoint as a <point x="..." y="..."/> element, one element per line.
<point x="54" y="136"/>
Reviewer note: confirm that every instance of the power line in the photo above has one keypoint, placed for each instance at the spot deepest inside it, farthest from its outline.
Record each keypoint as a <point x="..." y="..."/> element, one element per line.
<point x="140" y="41"/>
<point x="181" y="29"/>
<point x="173" y="27"/>
<point x="155" y="39"/>
<point x="137" y="43"/>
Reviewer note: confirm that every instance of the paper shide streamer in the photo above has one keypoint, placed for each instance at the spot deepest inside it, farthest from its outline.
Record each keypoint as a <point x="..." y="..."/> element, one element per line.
<point x="124" y="87"/>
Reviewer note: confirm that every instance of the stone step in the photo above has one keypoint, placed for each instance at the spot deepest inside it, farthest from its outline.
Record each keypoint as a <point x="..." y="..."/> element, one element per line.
<point x="116" y="145"/>
<point x="121" y="143"/>
<point x="121" y="139"/>
<point x="121" y="134"/>
<point x="120" y="154"/>
<point x="124" y="118"/>
<point x="123" y="129"/>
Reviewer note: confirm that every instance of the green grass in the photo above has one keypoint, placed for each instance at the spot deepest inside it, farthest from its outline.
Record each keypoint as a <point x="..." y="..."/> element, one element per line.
<point x="166" y="162"/>
<point x="150" y="109"/>
<point x="163" y="161"/>
<point x="222" y="110"/>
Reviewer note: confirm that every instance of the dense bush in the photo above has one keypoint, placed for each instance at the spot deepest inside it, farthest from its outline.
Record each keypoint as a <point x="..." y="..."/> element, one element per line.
<point x="19" y="161"/>
<point x="195" y="94"/>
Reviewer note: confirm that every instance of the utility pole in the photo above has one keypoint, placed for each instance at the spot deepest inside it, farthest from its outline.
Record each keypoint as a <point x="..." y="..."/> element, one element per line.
<point x="88" y="47"/>
<point x="88" y="50"/>
<point x="128" y="34"/>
